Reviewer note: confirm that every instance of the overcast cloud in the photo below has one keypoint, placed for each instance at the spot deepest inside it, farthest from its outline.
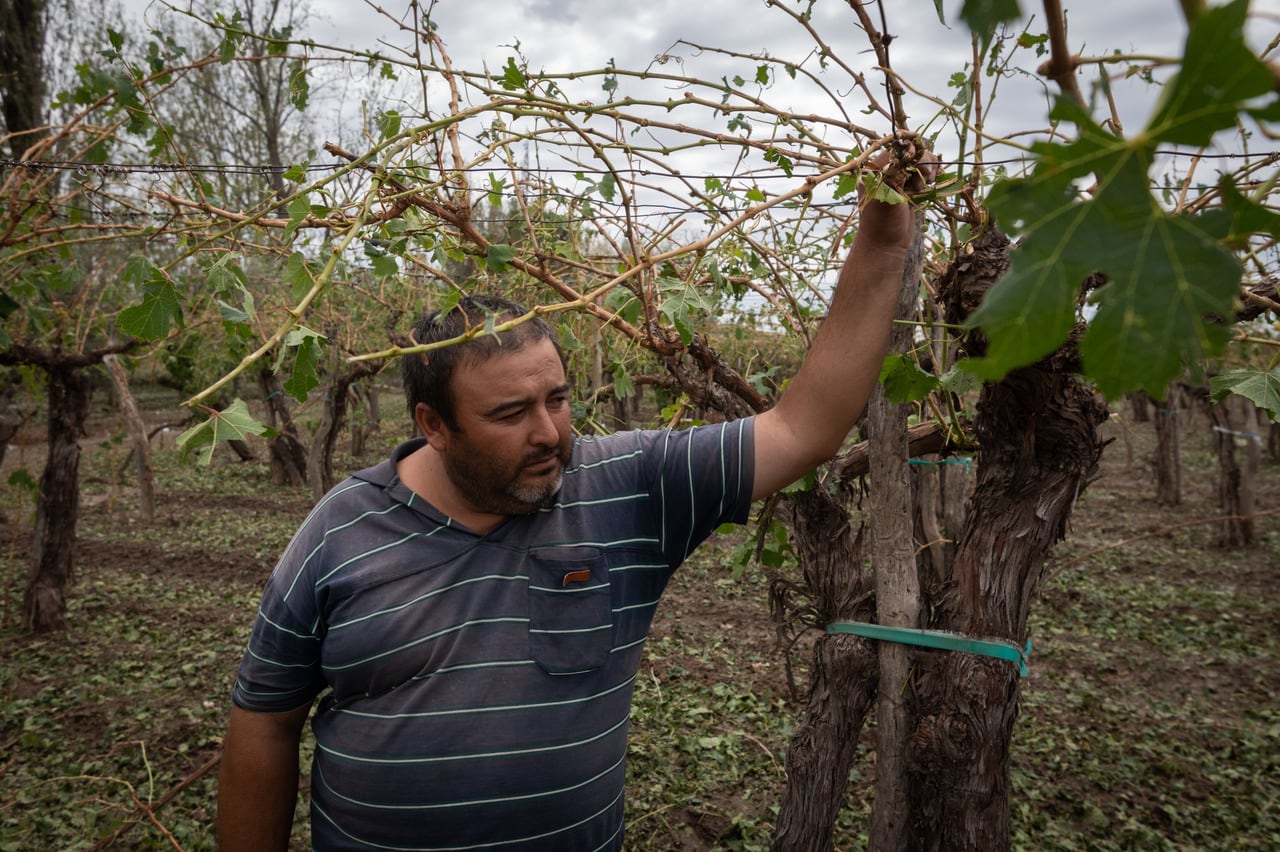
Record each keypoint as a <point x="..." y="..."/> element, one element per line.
<point x="563" y="35"/>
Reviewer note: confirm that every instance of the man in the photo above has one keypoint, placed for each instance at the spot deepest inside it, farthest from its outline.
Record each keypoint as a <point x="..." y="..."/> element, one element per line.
<point x="473" y="611"/>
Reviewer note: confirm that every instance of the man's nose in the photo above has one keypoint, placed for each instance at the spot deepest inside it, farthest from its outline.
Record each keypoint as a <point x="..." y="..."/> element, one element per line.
<point x="543" y="432"/>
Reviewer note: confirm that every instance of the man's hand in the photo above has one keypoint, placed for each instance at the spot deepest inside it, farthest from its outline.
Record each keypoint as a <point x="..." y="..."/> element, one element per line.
<point x="908" y="167"/>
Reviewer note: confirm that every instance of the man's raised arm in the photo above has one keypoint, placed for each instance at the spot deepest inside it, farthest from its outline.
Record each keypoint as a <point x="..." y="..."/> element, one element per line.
<point x="831" y="389"/>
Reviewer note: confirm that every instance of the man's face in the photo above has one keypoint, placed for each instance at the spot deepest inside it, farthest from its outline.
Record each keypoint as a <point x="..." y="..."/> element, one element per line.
<point x="513" y="437"/>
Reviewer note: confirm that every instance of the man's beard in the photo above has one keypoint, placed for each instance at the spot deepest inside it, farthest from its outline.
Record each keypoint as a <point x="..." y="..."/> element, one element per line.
<point x="489" y="487"/>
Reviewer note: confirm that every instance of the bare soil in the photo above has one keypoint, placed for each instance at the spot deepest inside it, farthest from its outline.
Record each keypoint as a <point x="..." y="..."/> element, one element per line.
<point x="1095" y="681"/>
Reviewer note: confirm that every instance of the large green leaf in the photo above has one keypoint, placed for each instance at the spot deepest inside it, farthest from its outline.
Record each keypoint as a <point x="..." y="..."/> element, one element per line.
<point x="1219" y="74"/>
<point x="232" y="424"/>
<point x="1261" y="388"/>
<point x="1171" y="277"/>
<point x="1168" y="276"/>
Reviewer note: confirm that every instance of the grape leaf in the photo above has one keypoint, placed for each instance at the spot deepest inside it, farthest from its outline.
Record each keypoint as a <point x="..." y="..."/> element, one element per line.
<point x="1238" y="218"/>
<point x="232" y="424"/>
<point x="903" y="379"/>
<point x="308" y="348"/>
<point x="151" y="319"/>
<point x="1166" y="272"/>
<point x="497" y="257"/>
<point x="1219" y="73"/>
<point x="984" y="16"/>
<point x="1262" y="389"/>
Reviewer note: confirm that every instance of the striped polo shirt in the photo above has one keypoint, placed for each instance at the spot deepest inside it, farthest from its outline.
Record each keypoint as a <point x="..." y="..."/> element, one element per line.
<point x="476" y="689"/>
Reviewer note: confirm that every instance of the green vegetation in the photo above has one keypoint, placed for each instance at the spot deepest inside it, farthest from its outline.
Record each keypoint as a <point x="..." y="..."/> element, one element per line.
<point x="1148" y="721"/>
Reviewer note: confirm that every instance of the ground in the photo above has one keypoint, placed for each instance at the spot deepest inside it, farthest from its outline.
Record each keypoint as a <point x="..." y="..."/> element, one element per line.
<point x="1148" y="720"/>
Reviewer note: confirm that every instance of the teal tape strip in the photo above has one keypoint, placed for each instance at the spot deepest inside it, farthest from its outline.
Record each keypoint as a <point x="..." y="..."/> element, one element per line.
<point x="966" y="461"/>
<point x="939" y="639"/>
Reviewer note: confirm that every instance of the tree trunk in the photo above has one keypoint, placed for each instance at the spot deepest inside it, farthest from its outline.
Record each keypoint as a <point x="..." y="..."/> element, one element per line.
<point x="953" y="487"/>
<point x="288" y="458"/>
<point x="1038" y="430"/>
<point x="1168" y="457"/>
<point x="1236" y="485"/>
<point x="44" y="606"/>
<point x="934" y="554"/>
<point x="138" y="434"/>
<point x="337" y="397"/>
<point x="11" y="416"/>
<point x="22" y="83"/>
<point x="1140" y="403"/>
<point x="842" y="681"/>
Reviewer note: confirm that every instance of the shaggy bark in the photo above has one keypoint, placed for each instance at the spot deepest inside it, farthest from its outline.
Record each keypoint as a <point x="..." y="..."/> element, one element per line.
<point x="1038" y="430"/>
<point x="1038" y="433"/>
<point x="844" y="670"/>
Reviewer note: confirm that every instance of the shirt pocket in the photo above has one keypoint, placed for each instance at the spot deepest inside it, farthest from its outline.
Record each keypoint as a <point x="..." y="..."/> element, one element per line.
<point x="570" y="614"/>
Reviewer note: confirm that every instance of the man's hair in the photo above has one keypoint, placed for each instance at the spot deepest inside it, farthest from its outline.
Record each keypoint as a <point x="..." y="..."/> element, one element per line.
<point x="427" y="376"/>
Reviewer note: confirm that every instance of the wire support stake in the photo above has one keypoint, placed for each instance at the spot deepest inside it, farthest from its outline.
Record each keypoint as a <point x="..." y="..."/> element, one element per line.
<point x="938" y="639"/>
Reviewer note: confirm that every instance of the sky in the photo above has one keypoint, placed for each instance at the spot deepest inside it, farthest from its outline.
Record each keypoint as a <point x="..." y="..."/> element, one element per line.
<point x="564" y="35"/>
<point x="560" y="35"/>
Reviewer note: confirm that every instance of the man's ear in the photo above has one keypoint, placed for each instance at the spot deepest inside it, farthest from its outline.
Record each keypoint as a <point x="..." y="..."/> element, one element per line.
<point x="432" y="425"/>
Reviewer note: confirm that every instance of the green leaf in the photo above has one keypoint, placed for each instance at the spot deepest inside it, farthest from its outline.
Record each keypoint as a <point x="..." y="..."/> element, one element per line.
<point x="623" y="387"/>
<point x="512" y="76"/>
<point x="496" y="187"/>
<point x="1260" y="388"/>
<point x="297" y="274"/>
<point x="385" y="266"/>
<point x="308" y="349"/>
<point x="680" y="304"/>
<point x="389" y="123"/>
<point x="985" y="16"/>
<point x="607" y="186"/>
<point x="225" y="276"/>
<point x="299" y="209"/>
<point x="773" y="155"/>
<point x="232" y="424"/>
<point x="151" y="319"/>
<point x="846" y="184"/>
<point x="959" y="381"/>
<point x="1167" y="274"/>
<point x="762" y="75"/>
<point x="903" y="379"/>
<point x="497" y="257"/>
<point x="1238" y="218"/>
<point x="1219" y="72"/>
<point x="300" y="90"/>
<point x="755" y="194"/>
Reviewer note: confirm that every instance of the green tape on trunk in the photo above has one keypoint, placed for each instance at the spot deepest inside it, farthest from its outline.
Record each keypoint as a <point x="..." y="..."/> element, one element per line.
<point x="939" y="639"/>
